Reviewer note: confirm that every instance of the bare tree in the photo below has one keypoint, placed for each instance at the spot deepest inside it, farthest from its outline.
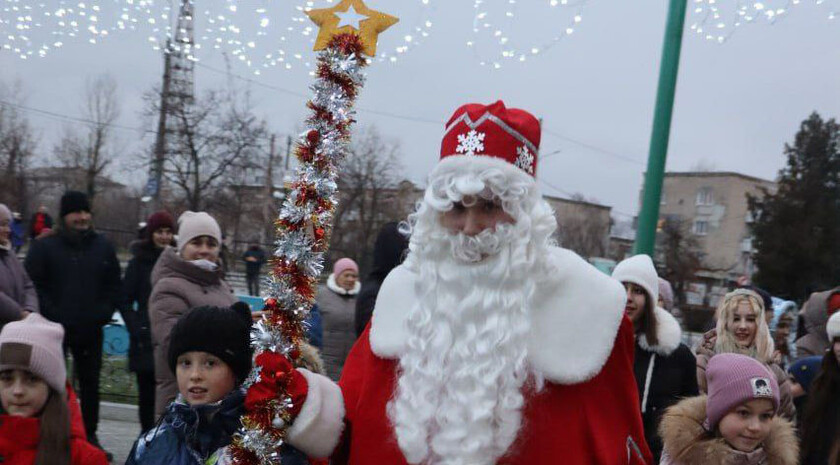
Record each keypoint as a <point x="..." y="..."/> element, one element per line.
<point x="93" y="151"/>
<point x="370" y="195"/>
<point x="679" y="254"/>
<point x="17" y="146"/>
<point x="214" y="133"/>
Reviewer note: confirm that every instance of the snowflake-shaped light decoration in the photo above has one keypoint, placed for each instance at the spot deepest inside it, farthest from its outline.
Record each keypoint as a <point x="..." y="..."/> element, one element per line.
<point x="504" y="33"/>
<point x="524" y="160"/>
<point x="470" y="143"/>
<point x="718" y="20"/>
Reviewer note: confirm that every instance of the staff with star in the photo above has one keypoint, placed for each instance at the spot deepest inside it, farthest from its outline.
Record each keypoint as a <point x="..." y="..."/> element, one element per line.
<point x="276" y="392"/>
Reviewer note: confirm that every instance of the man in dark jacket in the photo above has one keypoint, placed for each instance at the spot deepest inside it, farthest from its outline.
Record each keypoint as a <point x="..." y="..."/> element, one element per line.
<point x="254" y="259"/>
<point x="77" y="276"/>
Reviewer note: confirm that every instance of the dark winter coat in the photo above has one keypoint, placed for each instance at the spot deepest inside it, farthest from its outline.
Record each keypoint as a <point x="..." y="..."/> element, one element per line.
<point x="197" y="435"/>
<point x="688" y="443"/>
<point x="77" y="276"/>
<point x="253" y="268"/>
<point x="178" y="286"/>
<point x="17" y="293"/>
<point x="815" y="315"/>
<point x="17" y="234"/>
<point x="665" y="374"/>
<point x="19" y="439"/>
<point x="137" y="285"/>
<point x="388" y="252"/>
<point x="315" y="328"/>
<point x="337" y="307"/>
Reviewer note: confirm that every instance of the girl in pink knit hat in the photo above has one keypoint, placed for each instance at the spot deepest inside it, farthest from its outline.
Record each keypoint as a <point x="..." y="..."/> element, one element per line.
<point x="737" y="423"/>
<point x="40" y="422"/>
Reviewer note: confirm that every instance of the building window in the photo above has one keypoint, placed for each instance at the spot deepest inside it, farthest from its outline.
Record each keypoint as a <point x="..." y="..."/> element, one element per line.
<point x="701" y="228"/>
<point x="704" y="196"/>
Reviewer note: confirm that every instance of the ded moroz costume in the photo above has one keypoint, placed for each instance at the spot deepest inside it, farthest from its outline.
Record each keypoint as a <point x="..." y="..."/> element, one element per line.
<point x="496" y="347"/>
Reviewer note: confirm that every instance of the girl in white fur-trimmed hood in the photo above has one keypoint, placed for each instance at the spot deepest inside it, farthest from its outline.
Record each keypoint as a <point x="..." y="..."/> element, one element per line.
<point x="664" y="367"/>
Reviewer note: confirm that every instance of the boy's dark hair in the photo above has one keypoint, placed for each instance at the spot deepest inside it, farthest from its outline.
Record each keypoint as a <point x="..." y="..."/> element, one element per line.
<point x="222" y="331"/>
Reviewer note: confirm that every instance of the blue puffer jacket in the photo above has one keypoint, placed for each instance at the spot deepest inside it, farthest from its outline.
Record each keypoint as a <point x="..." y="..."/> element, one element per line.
<point x="197" y="435"/>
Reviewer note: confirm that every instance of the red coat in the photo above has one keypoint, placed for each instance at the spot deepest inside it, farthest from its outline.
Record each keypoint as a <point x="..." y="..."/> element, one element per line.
<point x="587" y="414"/>
<point x="19" y="438"/>
<point x="576" y="424"/>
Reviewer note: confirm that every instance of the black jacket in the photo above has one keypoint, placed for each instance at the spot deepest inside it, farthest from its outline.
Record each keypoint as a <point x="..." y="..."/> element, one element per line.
<point x="137" y="285"/>
<point x="77" y="277"/>
<point x="388" y="252"/>
<point x="673" y="376"/>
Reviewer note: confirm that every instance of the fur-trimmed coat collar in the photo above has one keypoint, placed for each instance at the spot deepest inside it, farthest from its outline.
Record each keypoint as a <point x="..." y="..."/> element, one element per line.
<point x="688" y="443"/>
<point x="333" y="286"/>
<point x="575" y="316"/>
<point x="668" y="332"/>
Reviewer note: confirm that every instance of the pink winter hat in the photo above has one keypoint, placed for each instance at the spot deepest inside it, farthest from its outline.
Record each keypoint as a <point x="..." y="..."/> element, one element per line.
<point x="734" y="379"/>
<point x="343" y="265"/>
<point x="34" y="344"/>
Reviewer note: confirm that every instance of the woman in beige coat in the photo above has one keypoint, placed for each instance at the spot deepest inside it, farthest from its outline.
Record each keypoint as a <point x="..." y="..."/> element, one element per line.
<point x="184" y="278"/>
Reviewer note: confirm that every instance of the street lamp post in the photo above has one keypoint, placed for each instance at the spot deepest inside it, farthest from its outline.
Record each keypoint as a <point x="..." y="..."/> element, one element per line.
<point x="669" y="68"/>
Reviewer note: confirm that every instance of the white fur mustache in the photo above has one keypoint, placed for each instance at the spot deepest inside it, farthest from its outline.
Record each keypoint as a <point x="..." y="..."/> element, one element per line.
<point x="472" y="249"/>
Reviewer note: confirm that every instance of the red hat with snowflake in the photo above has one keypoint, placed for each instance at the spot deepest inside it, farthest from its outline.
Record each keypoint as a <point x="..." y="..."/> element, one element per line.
<point x="504" y="137"/>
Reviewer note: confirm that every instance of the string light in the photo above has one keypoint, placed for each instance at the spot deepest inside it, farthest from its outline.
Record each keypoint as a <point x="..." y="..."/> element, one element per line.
<point x="494" y="29"/>
<point x="718" y="20"/>
<point x="257" y="34"/>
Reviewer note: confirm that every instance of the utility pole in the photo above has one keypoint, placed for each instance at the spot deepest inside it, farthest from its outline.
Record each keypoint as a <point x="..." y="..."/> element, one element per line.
<point x="288" y="154"/>
<point x="668" y="71"/>
<point x="269" y="210"/>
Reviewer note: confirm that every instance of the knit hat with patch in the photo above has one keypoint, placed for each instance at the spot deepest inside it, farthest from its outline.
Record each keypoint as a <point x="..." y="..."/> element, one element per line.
<point x="222" y="331"/>
<point x="196" y="224"/>
<point x="734" y="379"/>
<point x="34" y="344"/>
<point x="639" y="270"/>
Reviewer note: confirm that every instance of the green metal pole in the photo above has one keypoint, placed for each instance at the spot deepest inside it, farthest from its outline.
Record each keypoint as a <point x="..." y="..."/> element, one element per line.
<point x="669" y="68"/>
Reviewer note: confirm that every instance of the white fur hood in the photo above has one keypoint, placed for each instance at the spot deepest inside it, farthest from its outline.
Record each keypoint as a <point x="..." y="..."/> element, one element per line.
<point x="575" y="315"/>
<point x="333" y="286"/>
<point x="667" y="330"/>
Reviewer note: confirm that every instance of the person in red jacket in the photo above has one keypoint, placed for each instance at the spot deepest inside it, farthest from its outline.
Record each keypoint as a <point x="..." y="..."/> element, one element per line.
<point x="489" y="345"/>
<point x="41" y="422"/>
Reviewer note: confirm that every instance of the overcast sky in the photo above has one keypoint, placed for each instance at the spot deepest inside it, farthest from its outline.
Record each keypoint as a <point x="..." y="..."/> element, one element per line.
<point x="737" y="103"/>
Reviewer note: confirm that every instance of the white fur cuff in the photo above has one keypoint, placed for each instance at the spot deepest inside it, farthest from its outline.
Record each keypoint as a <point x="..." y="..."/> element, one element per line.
<point x="317" y="429"/>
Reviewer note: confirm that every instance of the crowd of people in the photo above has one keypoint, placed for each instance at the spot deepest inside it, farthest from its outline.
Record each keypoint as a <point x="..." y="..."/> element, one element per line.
<point x="474" y="339"/>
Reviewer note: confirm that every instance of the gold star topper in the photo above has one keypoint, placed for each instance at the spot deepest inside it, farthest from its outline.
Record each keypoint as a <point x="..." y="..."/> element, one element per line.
<point x="351" y="16"/>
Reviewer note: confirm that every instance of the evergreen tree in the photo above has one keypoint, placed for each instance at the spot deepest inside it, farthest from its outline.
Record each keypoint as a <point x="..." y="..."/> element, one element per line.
<point x="797" y="228"/>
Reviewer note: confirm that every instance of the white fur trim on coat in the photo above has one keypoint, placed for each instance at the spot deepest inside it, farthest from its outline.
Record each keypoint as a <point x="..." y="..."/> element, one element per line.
<point x="318" y="427"/>
<point x="333" y="286"/>
<point x="575" y="316"/>
<point x="667" y="330"/>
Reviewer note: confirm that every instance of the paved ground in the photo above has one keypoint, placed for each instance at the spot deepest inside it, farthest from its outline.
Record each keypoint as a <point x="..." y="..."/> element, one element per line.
<point x="118" y="429"/>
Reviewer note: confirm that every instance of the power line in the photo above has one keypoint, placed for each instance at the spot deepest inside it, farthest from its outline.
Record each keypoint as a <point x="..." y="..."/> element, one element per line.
<point x="593" y="147"/>
<point x="72" y="119"/>
<point x="282" y="90"/>
<point x="570" y="196"/>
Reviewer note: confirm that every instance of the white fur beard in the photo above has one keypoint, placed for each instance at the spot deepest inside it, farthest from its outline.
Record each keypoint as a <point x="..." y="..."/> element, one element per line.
<point x="458" y="397"/>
